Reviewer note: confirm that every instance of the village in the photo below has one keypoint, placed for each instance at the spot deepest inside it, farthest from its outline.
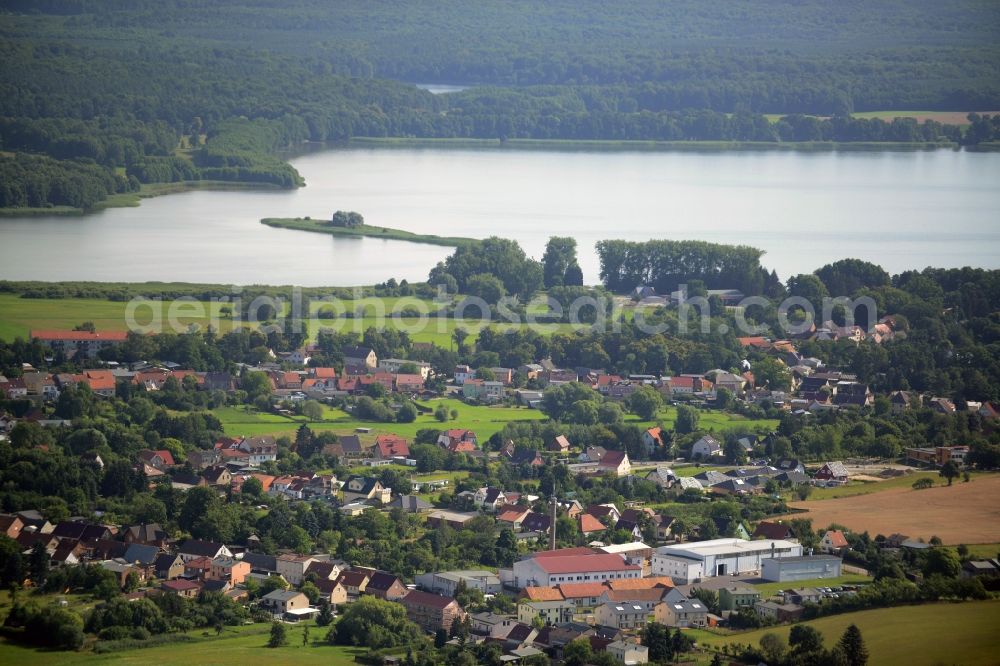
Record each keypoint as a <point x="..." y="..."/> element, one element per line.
<point x="618" y="568"/>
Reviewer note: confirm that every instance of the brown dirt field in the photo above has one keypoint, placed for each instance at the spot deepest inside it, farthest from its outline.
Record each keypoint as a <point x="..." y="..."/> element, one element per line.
<point x="964" y="513"/>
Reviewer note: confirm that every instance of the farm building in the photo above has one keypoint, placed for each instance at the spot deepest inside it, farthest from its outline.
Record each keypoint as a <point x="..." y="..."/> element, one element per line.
<point x="805" y="567"/>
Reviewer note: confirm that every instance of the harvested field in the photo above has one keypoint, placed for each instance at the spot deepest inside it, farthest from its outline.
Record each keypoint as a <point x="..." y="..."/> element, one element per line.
<point x="964" y="513"/>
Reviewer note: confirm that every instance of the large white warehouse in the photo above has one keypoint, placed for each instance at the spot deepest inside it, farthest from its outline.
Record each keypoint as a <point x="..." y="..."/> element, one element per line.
<point x="689" y="562"/>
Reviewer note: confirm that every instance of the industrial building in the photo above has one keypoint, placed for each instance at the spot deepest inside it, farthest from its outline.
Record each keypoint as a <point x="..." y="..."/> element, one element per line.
<point x="690" y="562"/>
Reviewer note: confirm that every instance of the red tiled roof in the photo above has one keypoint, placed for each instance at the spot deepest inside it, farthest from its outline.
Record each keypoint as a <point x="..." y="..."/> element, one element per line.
<point x="589" y="523"/>
<point x="578" y="590"/>
<point x="542" y="594"/>
<point x="837" y="539"/>
<point x="594" y="562"/>
<point x="427" y="599"/>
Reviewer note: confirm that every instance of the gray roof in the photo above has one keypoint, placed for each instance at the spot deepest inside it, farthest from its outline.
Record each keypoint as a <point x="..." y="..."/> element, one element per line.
<point x="281" y="595"/>
<point x="142" y="554"/>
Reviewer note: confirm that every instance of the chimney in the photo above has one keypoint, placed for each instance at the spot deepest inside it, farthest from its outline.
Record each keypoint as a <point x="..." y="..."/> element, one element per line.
<point x="552" y="526"/>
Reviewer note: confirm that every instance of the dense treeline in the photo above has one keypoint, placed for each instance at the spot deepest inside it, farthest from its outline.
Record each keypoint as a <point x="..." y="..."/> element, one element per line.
<point x="807" y="57"/>
<point x="37" y="181"/>
<point x="251" y="80"/>
<point x="665" y="265"/>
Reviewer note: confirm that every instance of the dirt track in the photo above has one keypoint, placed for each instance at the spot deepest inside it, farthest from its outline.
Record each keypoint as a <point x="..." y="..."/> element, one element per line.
<point x="964" y="513"/>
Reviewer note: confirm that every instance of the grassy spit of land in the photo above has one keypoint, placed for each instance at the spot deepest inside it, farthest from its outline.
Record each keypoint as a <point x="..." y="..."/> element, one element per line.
<point x="365" y="230"/>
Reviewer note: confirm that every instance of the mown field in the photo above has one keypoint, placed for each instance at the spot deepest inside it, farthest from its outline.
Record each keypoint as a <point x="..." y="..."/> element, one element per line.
<point x="483" y="419"/>
<point x="966" y="513"/>
<point x="18" y="316"/>
<point x="236" y="645"/>
<point x="961" y="633"/>
<point x="855" y="488"/>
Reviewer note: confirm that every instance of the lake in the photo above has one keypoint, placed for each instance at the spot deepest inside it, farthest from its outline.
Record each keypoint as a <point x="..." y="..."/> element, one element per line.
<point x="899" y="209"/>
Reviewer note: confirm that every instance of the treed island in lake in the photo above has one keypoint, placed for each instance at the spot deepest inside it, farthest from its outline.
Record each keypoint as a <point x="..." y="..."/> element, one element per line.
<point x="102" y="101"/>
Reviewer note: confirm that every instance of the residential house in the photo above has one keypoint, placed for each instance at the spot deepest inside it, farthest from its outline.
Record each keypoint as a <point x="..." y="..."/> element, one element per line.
<point x="355" y="582"/>
<point x="900" y="401"/>
<point x="628" y="652"/>
<point x="528" y="457"/>
<point x="431" y="612"/>
<point x="86" y="344"/>
<point x="833" y="472"/>
<point x="280" y="602"/>
<point x="555" y="611"/>
<point x="393" y="365"/>
<point x="489" y="499"/>
<point x="802" y="595"/>
<point x="325" y="569"/>
<point x="512" y="516"/>
<point x="463" y="373"/>
<point x="623" y="616"/>
<point x="181" y="587"/>
<point x="833" y="542"/>
<point x="158" y="459"/>
<point x="791" y="465"/>
<point x="11" y="526"/>
<point x="588" y="524"/>
<point x="592" y="454"/>
<point x="150" y="534"/>
<point x="676" y="610"/>
<point x="483" y="390"/>
<point x="652" y="439"/>
<point x="768" y="530"/>
<point x="359" y="488"/>
<point x="409" y="383"/>
<point x="218" y="476"/>
<point x="293" y="567"/>
<point x="168" y="567"/>
<point x="615" y="462"/>
<point x="195" y="548"/>
<point x="458" y="440"/>
<point x="410" y="504"/>
<point x="647" y="598"/>
<point x="388" y="447"/>
<point x="705" y="448"/>
<point x="981" y="568"/>
<point x="332" y="591"/>
<point x="142" y="557"/>
<point x="386" y="586"/>
<point x="360" y="357"/>
<point x="229" y="570"/>
<point x="770" y="610"/>
<point x="736" y="597"/>
<point x="559" y="444"/>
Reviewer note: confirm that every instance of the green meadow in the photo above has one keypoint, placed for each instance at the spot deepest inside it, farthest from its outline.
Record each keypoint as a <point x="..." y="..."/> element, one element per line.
<point x="235" y="645"/>
<point x="484" y="420"/>
<point x="942" y="633"/>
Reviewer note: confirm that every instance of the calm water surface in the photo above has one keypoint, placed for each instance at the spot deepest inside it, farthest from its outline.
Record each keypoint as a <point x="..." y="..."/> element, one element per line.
<point x="900" y="209"/>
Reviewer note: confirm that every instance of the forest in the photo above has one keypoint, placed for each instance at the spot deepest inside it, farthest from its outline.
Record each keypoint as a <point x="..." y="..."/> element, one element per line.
<point x="149" y="93"/>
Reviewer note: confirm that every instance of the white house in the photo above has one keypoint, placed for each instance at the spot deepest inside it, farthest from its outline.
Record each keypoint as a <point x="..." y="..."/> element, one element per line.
<point x="571" y="565"/>
<point x="706" y="447"/>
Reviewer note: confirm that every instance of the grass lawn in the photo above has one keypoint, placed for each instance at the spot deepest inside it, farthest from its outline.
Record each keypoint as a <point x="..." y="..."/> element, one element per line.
<point x="236" y="645"/>
<point x="963" y="633"/>
<point x="767" y="589"/>
<point x="482" y="419"/>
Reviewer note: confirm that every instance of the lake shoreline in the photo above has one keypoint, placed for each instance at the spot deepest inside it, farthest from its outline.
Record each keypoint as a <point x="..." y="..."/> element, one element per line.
<point x="364" y="231"/>
<point x="134" y="199"/>
<point x="645" y="145"/>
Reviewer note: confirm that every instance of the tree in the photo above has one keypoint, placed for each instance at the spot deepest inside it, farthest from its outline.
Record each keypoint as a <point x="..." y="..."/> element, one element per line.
<point x="485" y="286"/>
<point x="773" y="648"/>
<point x="252" y="488"/>
<point x="950" y="471"/>
<point x="941" y="562"/>
<point x="645" y="402"/>
<point x="573" y="276"/>
<point x="687" y="420"/>
<point x="407" y="413"/>
<point x="804" y="639"/>
<point x="853" y="646"/>
<point x="578" y="652"/>
<point x="373" y="623"/>
<point x="460" y="335"/>
<point x="312" y="410"/>
<point x="279" y="635"/>
<point x="441" y="413"/>
<point x="38" y="564"/>
<point x="325" y="615"/>
<point x="560" y="254"/>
